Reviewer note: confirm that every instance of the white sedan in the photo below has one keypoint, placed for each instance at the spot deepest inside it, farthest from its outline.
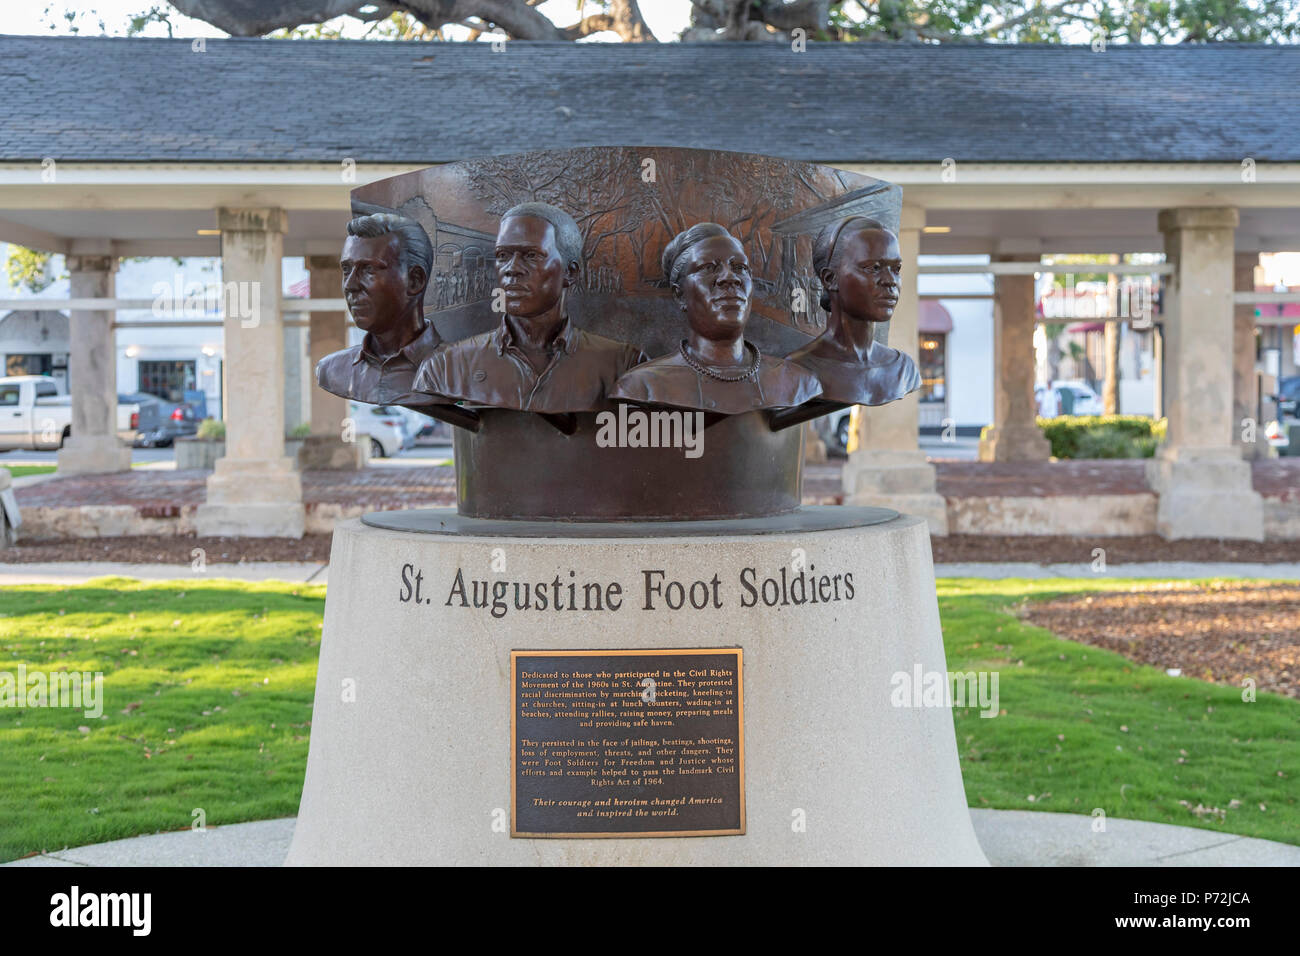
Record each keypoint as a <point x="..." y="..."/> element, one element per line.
<point x="385" y="426"/>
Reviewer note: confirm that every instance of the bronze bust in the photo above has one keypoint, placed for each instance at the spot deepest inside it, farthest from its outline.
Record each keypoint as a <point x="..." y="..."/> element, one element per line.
<point x="536" y="360"/>
<point x="386" y="262"/>
<point x="714" y="369"/>
<point x="858" y="262"/>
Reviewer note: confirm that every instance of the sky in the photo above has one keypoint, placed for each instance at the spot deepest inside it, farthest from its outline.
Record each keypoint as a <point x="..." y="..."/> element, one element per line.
<point x="667" y="18"/>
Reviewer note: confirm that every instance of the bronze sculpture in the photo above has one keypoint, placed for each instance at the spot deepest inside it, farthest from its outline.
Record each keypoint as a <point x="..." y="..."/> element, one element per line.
<point x="858" y="262"/>
<point x="586" y="297"/>
<point x="386" y="262"/>
<point x="536" y="360"/>
<point x="714" y="369"/>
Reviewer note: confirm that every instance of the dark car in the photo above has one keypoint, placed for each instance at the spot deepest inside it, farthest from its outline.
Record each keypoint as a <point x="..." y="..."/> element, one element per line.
<point x="1288" y="396"/>
<point x="161" y="423"/>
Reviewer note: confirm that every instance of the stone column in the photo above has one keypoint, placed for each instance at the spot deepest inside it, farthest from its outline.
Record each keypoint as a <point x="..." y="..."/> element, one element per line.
<point x="93" y="446"/>
<point x="886" y="465"/>
<point x="254" y="490"/>
<point x="1245" y="404"/>
<point x="1204" y="485"/>
<point x="328" y="332"/>
<point x="1014" y="434"/>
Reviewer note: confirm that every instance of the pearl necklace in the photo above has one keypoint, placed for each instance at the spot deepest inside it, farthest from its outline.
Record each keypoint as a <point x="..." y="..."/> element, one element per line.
<point x="705" y="370"/>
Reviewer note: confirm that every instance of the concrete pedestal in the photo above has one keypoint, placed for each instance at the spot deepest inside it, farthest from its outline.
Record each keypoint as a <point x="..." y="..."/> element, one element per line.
<point x="256" y="499"/>
<point x="93" y="455"/>
<point x="901" y="480"/>
<point x="1014" y="443"/>
<point x="331" y="453"/>
<point x="410" y="759"/>
<point x="1205" y="493"/>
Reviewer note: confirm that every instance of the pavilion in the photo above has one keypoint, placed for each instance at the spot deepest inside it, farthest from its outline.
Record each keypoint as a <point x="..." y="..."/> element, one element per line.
<point x="247" y="149"/>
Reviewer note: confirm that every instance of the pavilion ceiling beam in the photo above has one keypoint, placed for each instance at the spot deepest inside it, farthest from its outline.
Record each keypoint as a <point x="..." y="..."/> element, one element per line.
<point x="32" y="237"/>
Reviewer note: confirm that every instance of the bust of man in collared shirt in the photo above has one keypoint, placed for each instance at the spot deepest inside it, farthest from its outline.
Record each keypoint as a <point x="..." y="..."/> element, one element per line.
<point x="386" y="263"/>
<point x="536" y="360"/>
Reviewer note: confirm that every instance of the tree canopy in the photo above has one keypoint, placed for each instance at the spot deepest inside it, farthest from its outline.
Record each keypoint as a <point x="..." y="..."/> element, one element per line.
<point x="930" y="21"/>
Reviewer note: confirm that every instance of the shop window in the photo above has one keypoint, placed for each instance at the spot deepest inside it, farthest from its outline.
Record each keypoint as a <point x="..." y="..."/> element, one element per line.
<point x="29" y="364"/>
<point x="167" y="380"/>
<point x="931" y="354"/>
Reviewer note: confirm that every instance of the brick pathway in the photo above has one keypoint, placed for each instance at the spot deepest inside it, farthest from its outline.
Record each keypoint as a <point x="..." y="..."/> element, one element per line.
<point x="165" y="493"/>
<point x="1040" y="479"/>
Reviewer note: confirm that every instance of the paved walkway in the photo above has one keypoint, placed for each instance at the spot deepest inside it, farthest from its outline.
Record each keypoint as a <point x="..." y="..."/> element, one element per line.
<point x="1009" y="838"/>
<point x="78" y="572"/>
<point x="1164" y="570"/>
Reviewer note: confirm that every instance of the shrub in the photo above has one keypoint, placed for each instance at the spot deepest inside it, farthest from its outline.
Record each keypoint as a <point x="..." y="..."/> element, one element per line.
<point x="1103" y="436"/>
<point x="211" y="430"/>
<point x="301" y="431"/>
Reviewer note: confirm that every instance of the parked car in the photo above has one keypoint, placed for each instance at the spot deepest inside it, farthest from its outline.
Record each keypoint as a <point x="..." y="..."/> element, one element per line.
<point x="36" y="415"/>
<point x="833" y="429"/>
<point x="1067" y="398"/>
<point x="1288" y="396"/>
<point x="385" y="426"/>
<point x="161" y="423"/>
<point x="423" y="429"/>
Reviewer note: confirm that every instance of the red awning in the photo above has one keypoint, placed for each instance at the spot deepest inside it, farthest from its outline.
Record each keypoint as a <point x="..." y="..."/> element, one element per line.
<point x="934" y="318"/>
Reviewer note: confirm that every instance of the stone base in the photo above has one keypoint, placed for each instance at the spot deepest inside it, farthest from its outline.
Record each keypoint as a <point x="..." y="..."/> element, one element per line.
<point x="410" y="759"/>
<point x="1205" y="493"/>
<point x="1014" y="443"/>
<point x="252" y="498"/>
<point x="932" y="507"/>
<point x="901" y="480"/>
<point x="331" y="453"/>
<point x="93" y="455"/>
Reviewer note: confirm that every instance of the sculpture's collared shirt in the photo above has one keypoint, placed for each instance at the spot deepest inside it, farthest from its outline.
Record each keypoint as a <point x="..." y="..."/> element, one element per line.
<point x="360" y="373"/>
<point x="491" y="370"/>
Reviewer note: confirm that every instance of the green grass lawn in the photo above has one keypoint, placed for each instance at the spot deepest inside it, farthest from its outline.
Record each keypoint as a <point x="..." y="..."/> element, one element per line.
<point x="18" y="471"/>
<point x="1086" y="728"/>
<point x="208" y="692"/>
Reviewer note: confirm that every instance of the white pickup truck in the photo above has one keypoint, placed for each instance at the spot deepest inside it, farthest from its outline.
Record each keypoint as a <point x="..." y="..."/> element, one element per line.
<point x="35" y="415"/>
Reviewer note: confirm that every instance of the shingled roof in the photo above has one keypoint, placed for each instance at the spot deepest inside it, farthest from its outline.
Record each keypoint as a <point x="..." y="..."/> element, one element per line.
<point x="250" y="100"/>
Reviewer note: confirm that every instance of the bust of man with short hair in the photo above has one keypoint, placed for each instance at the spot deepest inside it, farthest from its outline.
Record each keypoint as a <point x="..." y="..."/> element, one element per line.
<point x="536" y="360"/>
<point x="386" y="263"/>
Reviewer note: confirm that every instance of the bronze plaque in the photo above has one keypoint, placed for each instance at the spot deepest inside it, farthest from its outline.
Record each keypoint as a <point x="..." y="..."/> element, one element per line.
<point x="644" y="743"/>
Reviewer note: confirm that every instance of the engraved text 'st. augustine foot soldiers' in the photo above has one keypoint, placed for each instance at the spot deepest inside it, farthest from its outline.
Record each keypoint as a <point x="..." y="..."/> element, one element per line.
<point x="386" y="262"/>
<point x="536" y="360"/>
<point x="714" y="369"/>
<point x="858" y="263"/>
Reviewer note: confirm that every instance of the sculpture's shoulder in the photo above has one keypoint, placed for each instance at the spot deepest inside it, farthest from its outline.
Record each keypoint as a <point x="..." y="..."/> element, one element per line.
<point x="334" y="371"/>
<point x="786" y="383"/>
<point x="891" y="374"/>
<point x="624" y="356"/>
<point x="453" y="360"/>
<point x="653" y="380"/>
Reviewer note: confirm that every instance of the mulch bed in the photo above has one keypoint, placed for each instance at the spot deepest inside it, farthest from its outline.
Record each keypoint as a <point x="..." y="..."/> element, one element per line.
<point x="170" y="550"/>
<point x="1061" y="549"/>
<point x="1222" y="632"/>
<point x="952" y="550"/>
